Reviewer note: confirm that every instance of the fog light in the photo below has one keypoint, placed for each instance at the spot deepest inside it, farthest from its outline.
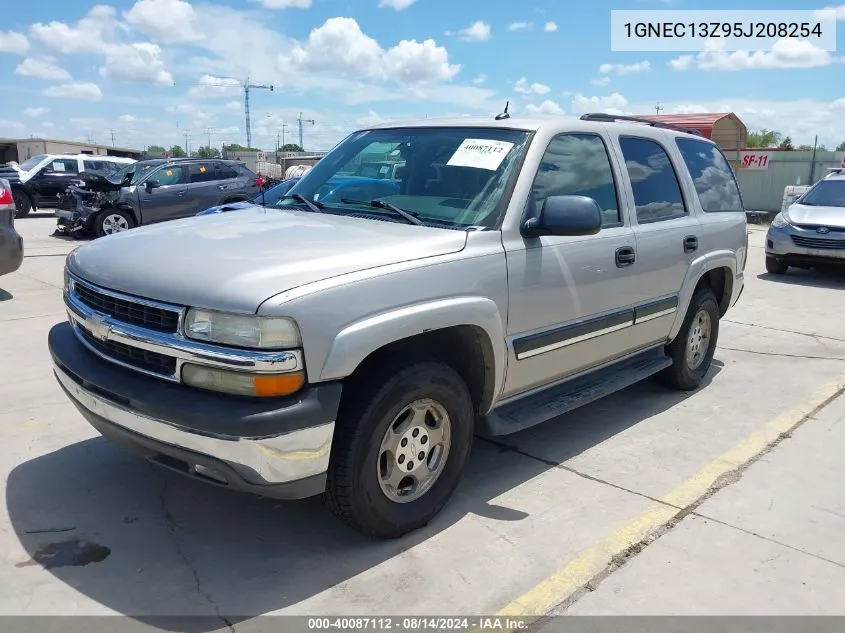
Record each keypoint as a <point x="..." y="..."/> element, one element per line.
<point x="241" y="383"/>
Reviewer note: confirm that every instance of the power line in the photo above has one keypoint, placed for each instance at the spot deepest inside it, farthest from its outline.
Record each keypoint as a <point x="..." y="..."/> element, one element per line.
<point x="658" y="108"/>
<point x="300" y="120"/>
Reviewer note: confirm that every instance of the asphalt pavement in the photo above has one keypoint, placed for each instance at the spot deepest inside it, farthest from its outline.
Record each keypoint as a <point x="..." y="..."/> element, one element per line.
<point x="723" y="501"/>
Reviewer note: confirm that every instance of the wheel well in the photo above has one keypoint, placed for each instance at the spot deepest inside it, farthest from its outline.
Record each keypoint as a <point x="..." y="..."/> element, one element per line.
<point x="465" y="348"/>
<point x="720" y="281"/>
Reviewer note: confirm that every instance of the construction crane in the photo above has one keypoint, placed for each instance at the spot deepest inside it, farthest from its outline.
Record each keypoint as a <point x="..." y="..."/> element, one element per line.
<point x="247" y="87"/>
<point x="300" y="120"/>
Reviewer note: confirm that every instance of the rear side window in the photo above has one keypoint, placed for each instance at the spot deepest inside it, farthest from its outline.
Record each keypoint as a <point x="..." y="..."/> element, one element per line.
<point x="657" y="192"/>
<point x="714" y="180"/>
<point x="578" y="165"/>
<point x="202" y="172"/>
<point x="224" y="172"/>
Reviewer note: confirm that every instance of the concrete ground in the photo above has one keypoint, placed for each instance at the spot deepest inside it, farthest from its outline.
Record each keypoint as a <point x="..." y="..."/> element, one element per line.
<point x="643" y="502"/>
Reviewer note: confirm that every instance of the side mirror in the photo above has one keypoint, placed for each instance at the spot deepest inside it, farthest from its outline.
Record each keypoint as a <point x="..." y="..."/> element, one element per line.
<point x="152" y="184"/>
<point x="127" y="179"/>
<point x="565" y="215"/>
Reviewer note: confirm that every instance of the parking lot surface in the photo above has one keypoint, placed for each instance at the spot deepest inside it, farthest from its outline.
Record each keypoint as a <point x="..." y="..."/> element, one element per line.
<point x="89" y="529"/>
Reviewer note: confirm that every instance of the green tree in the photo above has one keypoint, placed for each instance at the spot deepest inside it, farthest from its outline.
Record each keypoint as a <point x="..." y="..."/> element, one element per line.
<point x="786" y="144"/>
<point x="291" y="147"/>
<point x="764" y="138"/>
<point x="177" y="152"/>
<point x="208" y="152"/>
<point x="841" y="147"/>
<point x="156" y="149"/>
<point x="236" y="147"/>
<point x="804" y="148"/>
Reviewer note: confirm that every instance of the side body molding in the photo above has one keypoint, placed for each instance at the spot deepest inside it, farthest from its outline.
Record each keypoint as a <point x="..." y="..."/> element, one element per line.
<point x="361" y="338"/>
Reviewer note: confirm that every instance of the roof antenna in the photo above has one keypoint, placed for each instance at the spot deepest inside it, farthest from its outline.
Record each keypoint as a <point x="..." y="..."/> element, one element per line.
<point x="504" y="115"/>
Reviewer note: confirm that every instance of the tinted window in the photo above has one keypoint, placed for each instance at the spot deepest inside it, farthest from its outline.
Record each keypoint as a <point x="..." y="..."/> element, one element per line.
<point x="202" y="172"/>
<point x="827" y="193"/>
<point x="712" y="175"/>
<point x="657" y="193"/>
<point x="224" y="172"/>
<point x="63" y="166"/>
<point x="578" y="165"/>
<point x="170" y="175"/>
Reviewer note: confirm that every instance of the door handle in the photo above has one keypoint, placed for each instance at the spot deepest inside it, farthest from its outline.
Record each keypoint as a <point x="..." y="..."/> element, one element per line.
<point x="222" y="187"/>
<point x="690" y="244"/>
<point x="181" y="194"/>
<point x="625" y="256"/>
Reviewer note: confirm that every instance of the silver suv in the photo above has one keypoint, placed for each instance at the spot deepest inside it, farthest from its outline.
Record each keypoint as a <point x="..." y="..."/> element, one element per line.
<point x="353" y="348"/>
<point x="811" y="231"/>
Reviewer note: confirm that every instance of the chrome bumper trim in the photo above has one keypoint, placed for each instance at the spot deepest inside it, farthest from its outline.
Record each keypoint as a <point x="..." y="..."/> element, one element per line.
<point x="264" y="461"/>
<point x="184" y="350"/>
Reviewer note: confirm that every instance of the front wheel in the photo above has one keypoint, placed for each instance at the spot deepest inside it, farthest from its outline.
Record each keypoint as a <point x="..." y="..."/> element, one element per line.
<point x="111" y="221"/>
<point x="693" y="348"/>
<point x="775" y="267"/>
<point x="400" y="449"/>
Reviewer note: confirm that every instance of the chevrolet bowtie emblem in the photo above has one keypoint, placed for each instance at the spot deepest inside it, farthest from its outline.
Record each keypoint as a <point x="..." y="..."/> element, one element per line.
<point x="98" y="327"/>
<point x="823" y="229"/>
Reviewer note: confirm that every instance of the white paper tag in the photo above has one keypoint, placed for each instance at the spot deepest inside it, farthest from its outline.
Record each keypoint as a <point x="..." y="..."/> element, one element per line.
<point x="58" y="166"/>
<point x="480" y="153"/>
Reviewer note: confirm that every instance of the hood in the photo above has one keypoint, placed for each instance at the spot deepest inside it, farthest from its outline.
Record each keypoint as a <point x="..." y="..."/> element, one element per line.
<point x="236" y="261"/>
<point x="230" y="206"/>
<point x="823" y="216"/>
<point x="98" y="181"/>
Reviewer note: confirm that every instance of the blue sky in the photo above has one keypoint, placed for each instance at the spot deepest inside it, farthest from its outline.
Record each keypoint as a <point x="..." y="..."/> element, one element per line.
<point x="151" y="70"/>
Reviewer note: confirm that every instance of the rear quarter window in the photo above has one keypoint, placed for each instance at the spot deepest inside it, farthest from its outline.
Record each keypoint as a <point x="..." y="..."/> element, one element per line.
<point x="712" y="175"/>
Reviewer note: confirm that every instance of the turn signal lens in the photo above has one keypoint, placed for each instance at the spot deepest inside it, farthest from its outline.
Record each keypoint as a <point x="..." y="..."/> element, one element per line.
<point x="241" y="383"/>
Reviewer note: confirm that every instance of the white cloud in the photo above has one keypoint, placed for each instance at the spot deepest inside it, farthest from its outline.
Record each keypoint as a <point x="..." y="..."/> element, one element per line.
<point x="522" y="86"/>
<point x="339" y="46"/>
<point x="41" y="69"/>
<point x="684" y="108"/>
<point x="548" y="108"/>
<point x="550" y="27"/>
<point x="518" y="26"/>
<point x="88" y="36"/>
<point x="128" y="118"/>
<point x="478" y="31"/>
<point x="5" y="124"/>
<point x="81" y="91"/>
<point x="610" y="103"/>
<point x="211" y="86"/>
<point x="480" y="79"/>
<point x="601" y="81"/>
<point x="139" y="62"/>
<point x="234" y="106"/>
<point x="398" y="5"/>
<point x="831" y="13"/>
<point x="285" y="4"/>
<point x="165" y="21"/>
<point x="625" y="69"/>
<point x="48" y="124"/>
<point x="13" y="42"/>
<point x="786" y="53"/>
<point x="34" y="113"/>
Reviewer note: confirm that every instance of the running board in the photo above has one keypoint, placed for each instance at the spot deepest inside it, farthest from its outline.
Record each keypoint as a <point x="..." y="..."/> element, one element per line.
<point x="554" y="401"/>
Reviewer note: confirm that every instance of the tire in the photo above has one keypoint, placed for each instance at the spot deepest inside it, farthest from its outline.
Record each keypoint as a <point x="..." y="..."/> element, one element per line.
<point x="354" y="492"/>
<point x="23" y="203"/>
<point x="110" y="221"/>
<point x="686" y="374"/>
<point x="775" y="267"/>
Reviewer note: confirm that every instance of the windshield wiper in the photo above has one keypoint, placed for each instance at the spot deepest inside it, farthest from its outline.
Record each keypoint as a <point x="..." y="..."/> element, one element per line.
<point x="381" y="204"/>
<point x="313" y="205"/>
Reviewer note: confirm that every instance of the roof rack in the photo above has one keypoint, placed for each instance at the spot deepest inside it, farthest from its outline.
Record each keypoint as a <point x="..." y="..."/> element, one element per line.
<point x="611" y="118"/>
<point x="836" y="170"/>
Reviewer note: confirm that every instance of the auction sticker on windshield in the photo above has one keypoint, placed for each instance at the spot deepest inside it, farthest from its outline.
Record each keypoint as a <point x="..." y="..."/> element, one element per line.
<point x="480" y="153"/>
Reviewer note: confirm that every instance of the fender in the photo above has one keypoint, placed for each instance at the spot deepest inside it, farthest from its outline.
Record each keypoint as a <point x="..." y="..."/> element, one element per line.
<point x="715" y="259"/>
<point x="361" y="338"/>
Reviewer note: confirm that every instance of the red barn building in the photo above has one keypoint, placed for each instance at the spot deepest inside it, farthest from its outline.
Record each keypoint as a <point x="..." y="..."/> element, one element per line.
<point x="723" y="128"/>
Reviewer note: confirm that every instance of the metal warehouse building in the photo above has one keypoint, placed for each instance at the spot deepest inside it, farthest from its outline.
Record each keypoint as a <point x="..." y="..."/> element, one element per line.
<point x="20" y="149"/>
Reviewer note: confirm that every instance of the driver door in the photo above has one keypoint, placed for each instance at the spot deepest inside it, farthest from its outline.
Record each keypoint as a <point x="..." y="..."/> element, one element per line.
<point x="169" y="199"/>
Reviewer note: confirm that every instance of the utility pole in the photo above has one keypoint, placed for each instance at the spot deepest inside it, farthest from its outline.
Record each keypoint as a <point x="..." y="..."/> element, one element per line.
<point x="300" y="120"/>
<point x="187" y="147"/>
<point x="658" y="108"/>
<point x="247" y="87"/>
<point x="284" y="125"/>
<point x="208" y="131"/>
<point x="112" y="137"/>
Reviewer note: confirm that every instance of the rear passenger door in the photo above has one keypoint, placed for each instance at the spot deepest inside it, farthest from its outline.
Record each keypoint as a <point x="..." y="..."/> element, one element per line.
<point x="570" y="296"/>
<point x="667" y="230"/>
<point x="205" y="187"/>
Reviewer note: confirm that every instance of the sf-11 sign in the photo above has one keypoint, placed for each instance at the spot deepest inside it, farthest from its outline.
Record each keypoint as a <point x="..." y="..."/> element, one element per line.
<point x="754" y="160"/>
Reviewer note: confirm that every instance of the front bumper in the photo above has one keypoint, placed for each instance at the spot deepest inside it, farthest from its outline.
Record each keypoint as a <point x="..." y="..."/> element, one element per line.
<point x="805" y="247"/>
<point x="11" y="250"/>
<point x="278" y="449"/>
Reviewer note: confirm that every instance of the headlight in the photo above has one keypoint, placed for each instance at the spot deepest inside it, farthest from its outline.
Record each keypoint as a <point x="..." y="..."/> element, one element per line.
<point x="781" y="220"/>
<point x="241" y="383"/>
<point x="242" y="330"/>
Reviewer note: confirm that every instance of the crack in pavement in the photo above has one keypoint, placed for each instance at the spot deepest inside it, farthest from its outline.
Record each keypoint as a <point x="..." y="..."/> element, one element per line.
<point x="806" y="357"/>
<point x="171" y="529"/>
<point x="778" y="329"/>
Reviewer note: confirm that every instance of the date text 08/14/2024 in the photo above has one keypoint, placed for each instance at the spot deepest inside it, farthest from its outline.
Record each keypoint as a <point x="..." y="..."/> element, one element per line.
<point x="419" y="623"/>
<point x="707" y="30"/>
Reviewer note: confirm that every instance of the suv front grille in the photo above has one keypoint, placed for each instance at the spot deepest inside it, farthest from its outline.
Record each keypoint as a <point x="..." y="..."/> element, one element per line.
<point x="127" y="311"/>
<point x="133" y="356"/>
<point x="818" y="242"/>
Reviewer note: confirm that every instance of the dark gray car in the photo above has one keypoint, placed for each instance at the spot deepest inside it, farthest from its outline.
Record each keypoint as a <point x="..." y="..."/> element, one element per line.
<point x="153" y="191"/>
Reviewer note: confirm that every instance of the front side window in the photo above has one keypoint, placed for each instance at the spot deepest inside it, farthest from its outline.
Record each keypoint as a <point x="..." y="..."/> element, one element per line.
<point x="827" y="193"/>
<point x="578" y="165"/>
<point x="714" y="180"/>
<point x="657" y="192"/>
<point x="170" y="175"/>
<point x="451" y="177"/>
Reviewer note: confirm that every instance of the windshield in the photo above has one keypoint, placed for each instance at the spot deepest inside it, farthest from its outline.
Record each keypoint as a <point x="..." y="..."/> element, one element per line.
<point x="449" y="176"/>
<point x="138" y="171"/>
<point x="32" y="162"/>
<point x="275" y="194"/>
<point x="827" y="193"/>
